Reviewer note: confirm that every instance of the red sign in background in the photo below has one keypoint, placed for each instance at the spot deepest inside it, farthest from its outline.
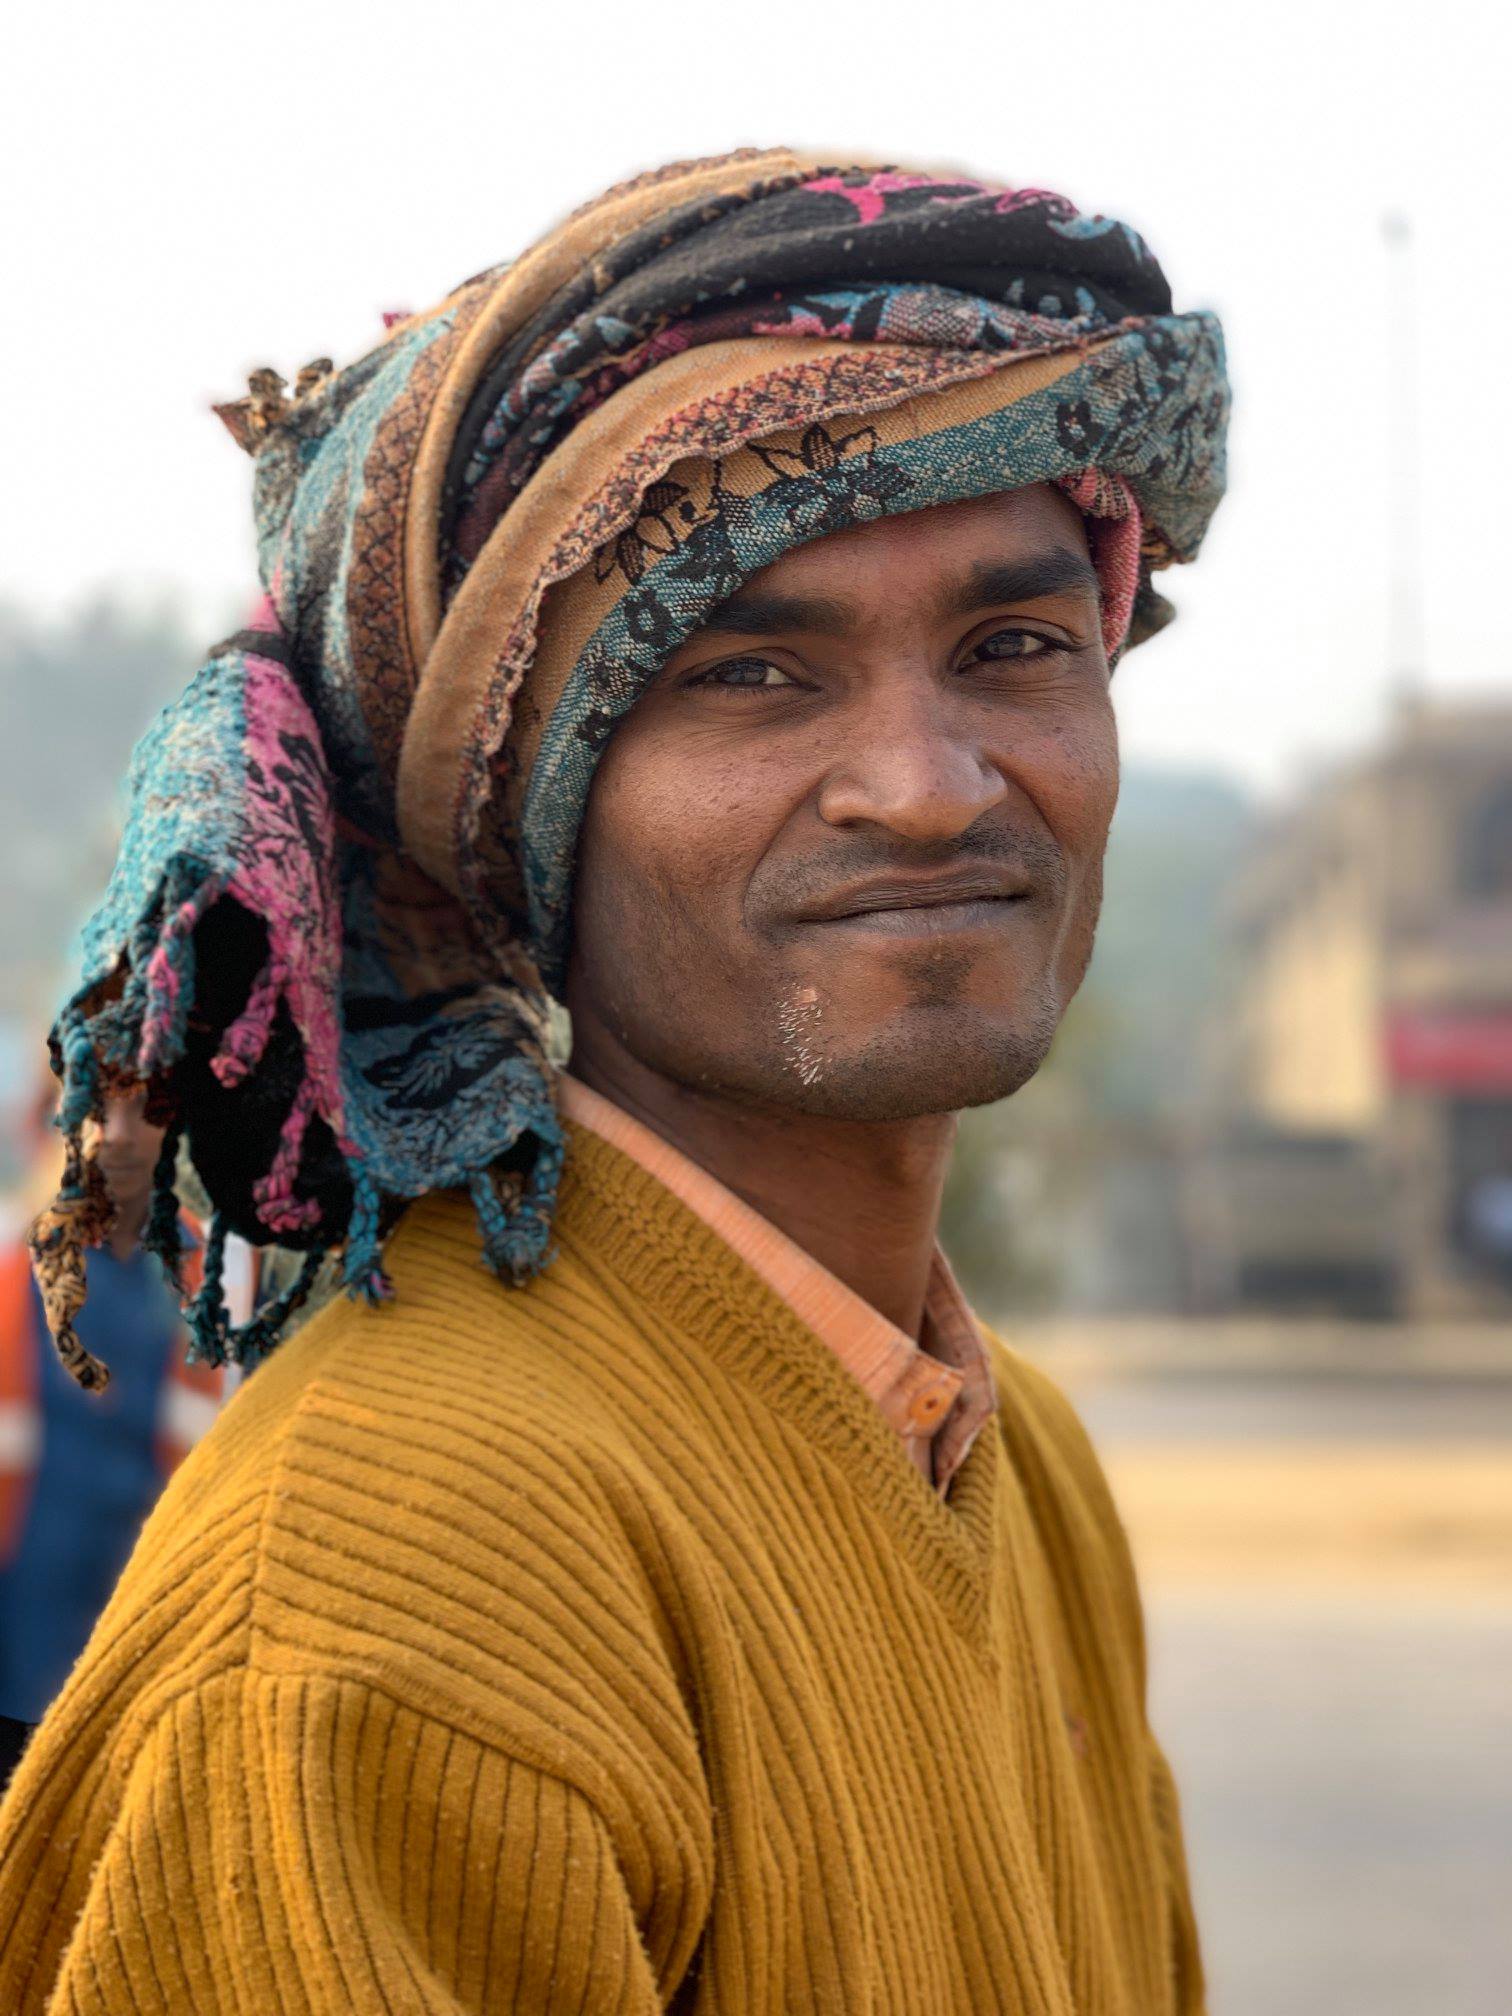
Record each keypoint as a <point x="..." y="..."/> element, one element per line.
<point x="1450" y="1050"/>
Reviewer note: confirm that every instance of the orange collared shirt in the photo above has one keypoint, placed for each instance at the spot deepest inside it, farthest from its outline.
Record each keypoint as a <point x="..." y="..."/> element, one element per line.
<point x="937" y="1393"/>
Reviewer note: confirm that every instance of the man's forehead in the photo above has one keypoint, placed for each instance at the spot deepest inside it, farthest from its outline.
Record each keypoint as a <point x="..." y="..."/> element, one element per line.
<point x="1015" y="548"/>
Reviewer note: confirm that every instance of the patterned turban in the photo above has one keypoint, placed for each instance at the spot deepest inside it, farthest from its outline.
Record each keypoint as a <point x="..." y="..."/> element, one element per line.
<point x="343" y="899"/>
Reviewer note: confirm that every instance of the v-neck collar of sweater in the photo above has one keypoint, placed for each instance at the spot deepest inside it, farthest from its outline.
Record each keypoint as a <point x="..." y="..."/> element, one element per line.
<point x="936" y="1391"/>
<point x="621" y="1218"/>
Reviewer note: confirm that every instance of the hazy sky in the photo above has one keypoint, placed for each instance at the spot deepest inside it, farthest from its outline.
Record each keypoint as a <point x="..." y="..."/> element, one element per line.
<point x="195" y="189"/>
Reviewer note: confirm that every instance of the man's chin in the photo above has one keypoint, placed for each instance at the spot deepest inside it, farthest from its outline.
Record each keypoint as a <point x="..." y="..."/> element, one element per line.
<point x="129" y="1185"/>
<point x="920" y="1064"/>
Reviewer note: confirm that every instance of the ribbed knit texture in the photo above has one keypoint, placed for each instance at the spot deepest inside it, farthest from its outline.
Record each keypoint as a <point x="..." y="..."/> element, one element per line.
<point x="594" y="1646"/>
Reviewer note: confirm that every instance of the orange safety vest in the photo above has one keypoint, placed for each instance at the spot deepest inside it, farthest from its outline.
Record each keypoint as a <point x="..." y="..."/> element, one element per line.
<point x="190" y="1399"/>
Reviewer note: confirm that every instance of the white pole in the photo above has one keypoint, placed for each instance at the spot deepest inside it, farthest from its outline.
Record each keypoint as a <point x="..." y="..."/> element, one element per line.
<point x="1404" y="599"/>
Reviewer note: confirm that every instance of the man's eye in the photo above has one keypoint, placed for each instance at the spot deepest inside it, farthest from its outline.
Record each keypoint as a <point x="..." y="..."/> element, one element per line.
<point x="745" y="672"/>
<point x="1008" y="644"/>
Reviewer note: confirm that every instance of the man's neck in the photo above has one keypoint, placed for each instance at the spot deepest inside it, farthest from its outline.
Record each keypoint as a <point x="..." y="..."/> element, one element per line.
<point x="126" y="1231"/>
<point x="861" y="1197"/>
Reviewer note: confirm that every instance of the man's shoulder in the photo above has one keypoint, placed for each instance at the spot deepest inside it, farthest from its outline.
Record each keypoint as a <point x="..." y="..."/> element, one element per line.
<point x="461" y="1405"/>
<point x="1035" y="1397"/>
<point x="457" y="1367"/>
<point x="414" y="1506"/>
<point x="1025" y="1383"/>
<point x="409" y="1496"/>
<point x="1040" y="1421"/>
<point x="1051" y="1448"/>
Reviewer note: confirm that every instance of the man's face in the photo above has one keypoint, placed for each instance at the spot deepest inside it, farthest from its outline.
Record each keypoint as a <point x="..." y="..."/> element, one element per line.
<point x="845" y="854"/>
<point x="129" y="1146"/>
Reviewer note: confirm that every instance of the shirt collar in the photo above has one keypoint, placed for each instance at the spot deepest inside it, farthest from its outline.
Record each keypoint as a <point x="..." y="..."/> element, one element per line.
<point x="937" y="1391"/>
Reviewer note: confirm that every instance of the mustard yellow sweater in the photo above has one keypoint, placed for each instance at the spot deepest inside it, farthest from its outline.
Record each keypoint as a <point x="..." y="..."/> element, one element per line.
<point x="595" y="1647"/>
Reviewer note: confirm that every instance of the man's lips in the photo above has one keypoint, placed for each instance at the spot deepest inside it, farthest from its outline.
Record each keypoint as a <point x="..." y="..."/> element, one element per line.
<point x="915" y="906"/>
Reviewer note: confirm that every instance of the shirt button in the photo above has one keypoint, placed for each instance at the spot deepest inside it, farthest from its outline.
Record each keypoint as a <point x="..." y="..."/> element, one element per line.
<point x="926" y="1408"/>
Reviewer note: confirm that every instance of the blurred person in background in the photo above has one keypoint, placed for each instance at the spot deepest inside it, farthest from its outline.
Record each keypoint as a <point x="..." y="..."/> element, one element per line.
<point x="80" y="1471"/>
<point x="703" y="624"/>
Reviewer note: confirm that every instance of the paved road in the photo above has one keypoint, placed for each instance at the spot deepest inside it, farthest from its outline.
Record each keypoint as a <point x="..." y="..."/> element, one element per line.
<point x="1343" y="1747"/>
<point x="1323" y="1408"/>
<point x="1346" y="1772"/>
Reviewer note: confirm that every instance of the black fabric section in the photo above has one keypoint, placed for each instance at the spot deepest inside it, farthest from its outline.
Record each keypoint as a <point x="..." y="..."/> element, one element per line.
<point x="232" y="1134"/>
<point x="664" y="236"/>
<point x="258" y="644"/>
<point x="14" y="1736"/>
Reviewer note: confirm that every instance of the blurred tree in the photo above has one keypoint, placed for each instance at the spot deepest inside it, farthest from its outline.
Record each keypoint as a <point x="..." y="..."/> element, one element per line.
<point x="76" y="692"/>
<point x="1030" y="1173"/>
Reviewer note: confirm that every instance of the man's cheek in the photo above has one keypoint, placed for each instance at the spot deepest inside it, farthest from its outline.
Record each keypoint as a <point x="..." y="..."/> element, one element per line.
<point x="1075" y="784"/>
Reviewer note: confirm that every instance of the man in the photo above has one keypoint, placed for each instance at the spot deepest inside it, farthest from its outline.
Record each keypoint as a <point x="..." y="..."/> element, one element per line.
<point x="77" y="1479"/>
<point x="705" y="622"/>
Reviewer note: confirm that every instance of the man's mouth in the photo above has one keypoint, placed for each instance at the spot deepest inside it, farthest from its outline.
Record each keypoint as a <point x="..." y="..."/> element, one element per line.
<point x="933" y="920"/>
<point x="924" y="906"/>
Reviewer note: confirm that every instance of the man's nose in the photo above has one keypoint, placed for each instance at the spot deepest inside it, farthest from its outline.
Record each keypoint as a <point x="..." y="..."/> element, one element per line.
<point x="124" y="1125"/>
<point x="910" y="768"/>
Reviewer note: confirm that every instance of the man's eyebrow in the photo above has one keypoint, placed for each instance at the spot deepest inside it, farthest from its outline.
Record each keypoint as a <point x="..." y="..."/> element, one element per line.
<point x="753" y="613"/>
<point x="991" y="583"/>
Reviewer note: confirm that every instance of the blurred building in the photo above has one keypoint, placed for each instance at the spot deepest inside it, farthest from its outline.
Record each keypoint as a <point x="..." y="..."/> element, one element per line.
<point x="1355" y="1152"/>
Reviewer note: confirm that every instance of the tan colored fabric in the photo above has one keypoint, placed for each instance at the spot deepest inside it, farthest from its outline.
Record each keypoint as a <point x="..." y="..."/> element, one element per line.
<point x="936" y="1394"/>
<point x="524" y="288"/>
